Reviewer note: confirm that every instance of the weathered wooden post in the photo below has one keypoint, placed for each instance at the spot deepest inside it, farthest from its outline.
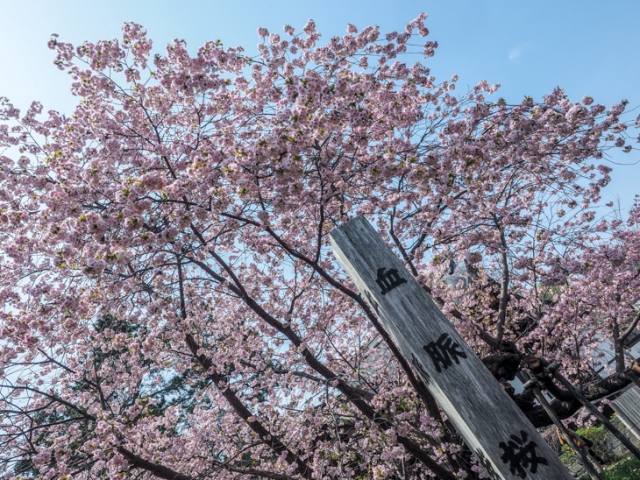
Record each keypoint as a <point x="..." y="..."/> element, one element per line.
<point x="502" y="438"/>
<point x="592" y="467"/>
<point x="553" y="368"/>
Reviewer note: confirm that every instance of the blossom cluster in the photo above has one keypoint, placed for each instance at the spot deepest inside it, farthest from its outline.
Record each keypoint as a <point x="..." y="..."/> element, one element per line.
<point x="172" y="305"/>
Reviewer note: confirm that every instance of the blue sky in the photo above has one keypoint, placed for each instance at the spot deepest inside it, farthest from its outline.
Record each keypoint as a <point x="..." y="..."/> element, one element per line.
<point x="587" y="47"/>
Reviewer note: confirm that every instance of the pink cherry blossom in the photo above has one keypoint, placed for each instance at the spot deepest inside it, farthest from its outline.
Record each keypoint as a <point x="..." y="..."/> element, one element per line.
<point x="172" y="305"/>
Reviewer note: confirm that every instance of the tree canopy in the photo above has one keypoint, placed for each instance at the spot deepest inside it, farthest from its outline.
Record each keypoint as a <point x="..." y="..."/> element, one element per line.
<point x="172" y="306"/>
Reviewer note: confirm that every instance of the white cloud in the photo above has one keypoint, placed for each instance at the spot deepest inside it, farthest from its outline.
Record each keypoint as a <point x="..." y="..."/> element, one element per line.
<point x="519" y="50"/>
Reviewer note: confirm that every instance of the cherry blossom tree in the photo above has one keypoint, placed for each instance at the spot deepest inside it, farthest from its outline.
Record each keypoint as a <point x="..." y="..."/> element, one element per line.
<point x="172" y="308"/>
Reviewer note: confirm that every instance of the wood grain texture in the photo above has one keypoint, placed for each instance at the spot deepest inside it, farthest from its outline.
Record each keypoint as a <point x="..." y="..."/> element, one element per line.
<point x="490" y="422"/>
<point x="627" y="406"/>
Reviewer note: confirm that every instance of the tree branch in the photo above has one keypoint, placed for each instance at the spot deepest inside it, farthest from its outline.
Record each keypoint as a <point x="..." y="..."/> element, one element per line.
<point x="155" y="468"/>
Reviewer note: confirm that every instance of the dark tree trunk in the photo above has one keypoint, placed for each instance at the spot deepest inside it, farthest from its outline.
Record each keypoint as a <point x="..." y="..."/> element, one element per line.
<point x="505" y="365"/>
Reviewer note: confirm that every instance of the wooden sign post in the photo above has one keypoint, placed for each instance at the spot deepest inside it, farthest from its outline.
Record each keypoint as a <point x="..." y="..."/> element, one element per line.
<point x="505" y="442"/>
